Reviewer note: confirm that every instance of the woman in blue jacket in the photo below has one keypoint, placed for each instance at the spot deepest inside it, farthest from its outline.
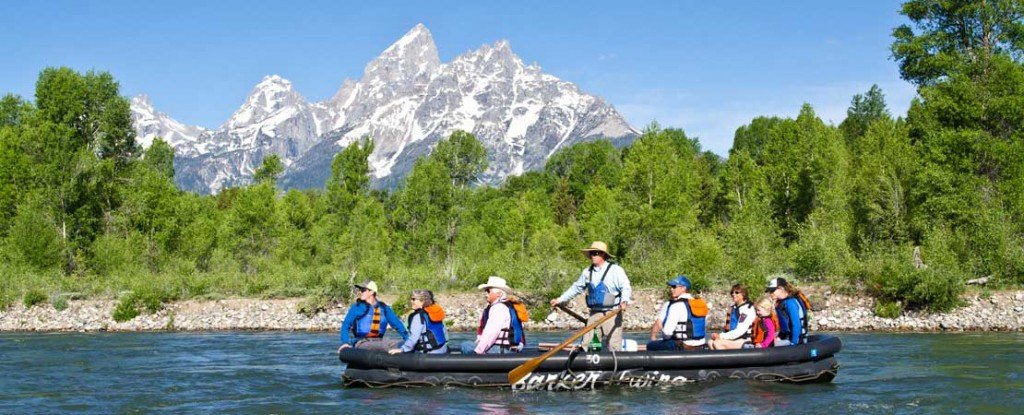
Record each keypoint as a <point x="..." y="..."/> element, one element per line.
<point x="792" y="307"/>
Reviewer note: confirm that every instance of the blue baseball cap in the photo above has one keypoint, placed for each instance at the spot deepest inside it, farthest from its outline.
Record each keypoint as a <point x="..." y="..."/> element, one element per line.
<point x="680" y="280"/>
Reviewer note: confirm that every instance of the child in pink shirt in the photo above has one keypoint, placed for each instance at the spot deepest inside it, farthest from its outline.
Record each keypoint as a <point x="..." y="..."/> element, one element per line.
<point x="766" y="326"/>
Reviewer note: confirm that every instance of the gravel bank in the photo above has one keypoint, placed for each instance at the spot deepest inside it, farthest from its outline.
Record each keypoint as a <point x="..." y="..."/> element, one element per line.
<point x="999" y="311"/>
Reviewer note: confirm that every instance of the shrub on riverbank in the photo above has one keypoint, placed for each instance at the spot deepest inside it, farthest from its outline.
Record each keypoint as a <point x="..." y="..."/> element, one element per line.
<point x="147" y="298"/>
<point x="33" y="297"/>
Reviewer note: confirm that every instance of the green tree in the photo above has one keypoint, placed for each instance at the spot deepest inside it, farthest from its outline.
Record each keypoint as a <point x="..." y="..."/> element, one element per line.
<point x="13" y="110"/>
<point x="425" y="211"/>
<point x="91" y="106"/>
<point x="884" y="168"/>
<point x="269" y="170"/>
<point x="33" y="235"/>
<point x="864" y="109"/>
<point x="464" y="156"/>
<point x="586" y="164"/>
<point x="752" y="137"/>
<point x="160" y="157"/>
<point x="659" y="189"/>
<point x="350" y="178"/>
<point x="367" y="242"/>
<point x="951" y="34"/>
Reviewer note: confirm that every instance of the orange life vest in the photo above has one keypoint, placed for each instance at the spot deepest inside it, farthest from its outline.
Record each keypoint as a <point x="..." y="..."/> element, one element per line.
<point x="759" y="331"/>
<point x="375" y="324"/>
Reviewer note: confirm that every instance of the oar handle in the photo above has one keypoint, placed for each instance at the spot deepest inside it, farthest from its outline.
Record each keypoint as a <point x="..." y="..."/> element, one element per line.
<point x="569" y="311"/>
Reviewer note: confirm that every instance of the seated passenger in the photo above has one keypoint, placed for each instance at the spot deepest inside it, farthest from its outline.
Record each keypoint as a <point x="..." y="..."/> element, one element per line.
<point x="765" y="328"/>
<point x="738" y="322"/>
<point x="427" y="333"/>
<point x="501" y="324"/>
<point x="680" y="323"/>
<point x="791" y="306"/>
<point x="367" y="321"/>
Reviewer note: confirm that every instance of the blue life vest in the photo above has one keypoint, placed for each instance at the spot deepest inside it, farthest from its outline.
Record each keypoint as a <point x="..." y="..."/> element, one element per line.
<point x="734" y="318"/>
<point x="784" y="320"/>
<point x="693" y="328"/>
<point x="433" y="337"/>
<point x="511" y="336"/>
<point x="373" y="316"/>
<point x="598" y="297"/>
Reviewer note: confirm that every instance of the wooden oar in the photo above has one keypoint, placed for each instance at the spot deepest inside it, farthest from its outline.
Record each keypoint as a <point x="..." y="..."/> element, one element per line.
<point x="524" y="369"/>
<point x="574" y="314"/>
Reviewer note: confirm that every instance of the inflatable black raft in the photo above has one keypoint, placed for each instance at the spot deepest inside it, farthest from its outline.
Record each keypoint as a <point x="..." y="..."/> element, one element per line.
<point x="811" y="362"/>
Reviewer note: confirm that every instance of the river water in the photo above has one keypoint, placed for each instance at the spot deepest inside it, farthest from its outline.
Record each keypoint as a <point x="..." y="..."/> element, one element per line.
<point x="292" y="372"/>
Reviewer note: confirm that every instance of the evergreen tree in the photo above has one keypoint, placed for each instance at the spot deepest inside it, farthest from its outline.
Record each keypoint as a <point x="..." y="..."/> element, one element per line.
<point x="864" y="110"/>
<point x="269" y="170"/>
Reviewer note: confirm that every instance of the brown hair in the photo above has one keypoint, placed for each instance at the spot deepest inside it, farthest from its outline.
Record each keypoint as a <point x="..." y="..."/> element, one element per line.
<point x="796" y="293"/>
<point x="743" y="291"/>
<point x="791" y="290"/>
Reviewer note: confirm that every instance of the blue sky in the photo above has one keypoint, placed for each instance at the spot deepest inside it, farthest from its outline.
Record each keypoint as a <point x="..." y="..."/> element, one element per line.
<point x="705" y="67"/>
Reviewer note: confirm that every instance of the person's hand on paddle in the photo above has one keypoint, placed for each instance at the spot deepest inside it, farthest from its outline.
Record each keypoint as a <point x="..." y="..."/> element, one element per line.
<point x="555" y="302"/>
<point x="714" y="336"/>
<point x="623" y="305"/>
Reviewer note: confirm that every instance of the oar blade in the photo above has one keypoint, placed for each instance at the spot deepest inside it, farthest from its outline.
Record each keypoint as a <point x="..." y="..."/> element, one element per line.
<point x="522" y="371"/>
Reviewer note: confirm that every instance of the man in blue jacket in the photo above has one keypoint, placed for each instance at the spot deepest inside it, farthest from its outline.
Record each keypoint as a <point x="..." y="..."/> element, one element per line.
<point x="367" y="321"/>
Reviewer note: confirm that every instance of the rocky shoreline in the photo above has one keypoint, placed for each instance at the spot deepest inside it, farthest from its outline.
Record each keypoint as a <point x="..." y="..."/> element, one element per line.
<point x="996" y="311"/>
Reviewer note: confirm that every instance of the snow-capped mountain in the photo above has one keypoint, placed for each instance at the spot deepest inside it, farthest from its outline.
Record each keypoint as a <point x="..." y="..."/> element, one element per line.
<point x="407" y="101"/>
<point x="150" y="124"/>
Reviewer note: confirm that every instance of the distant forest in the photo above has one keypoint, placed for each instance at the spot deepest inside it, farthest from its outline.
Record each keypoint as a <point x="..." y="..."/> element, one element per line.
<point x="84" y="211"/>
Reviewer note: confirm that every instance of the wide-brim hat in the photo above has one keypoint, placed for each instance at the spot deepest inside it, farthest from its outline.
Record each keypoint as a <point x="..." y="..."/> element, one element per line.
<point x="599" y="246"/>
<point x="495" y="282"/>
<point x="368" y="285"/>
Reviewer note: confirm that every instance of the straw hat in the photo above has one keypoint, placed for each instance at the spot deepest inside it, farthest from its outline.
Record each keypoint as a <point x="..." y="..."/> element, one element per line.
<point x="495" y="282"/>
<point x="599" y="246"/>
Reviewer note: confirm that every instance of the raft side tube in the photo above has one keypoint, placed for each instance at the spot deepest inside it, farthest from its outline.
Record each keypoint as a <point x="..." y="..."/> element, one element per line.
<point x="819" y="347"/>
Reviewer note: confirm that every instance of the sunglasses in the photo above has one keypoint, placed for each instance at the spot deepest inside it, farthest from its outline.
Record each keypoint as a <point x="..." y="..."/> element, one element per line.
<point x="736" y="292"/>
<point x="594" y="253"/>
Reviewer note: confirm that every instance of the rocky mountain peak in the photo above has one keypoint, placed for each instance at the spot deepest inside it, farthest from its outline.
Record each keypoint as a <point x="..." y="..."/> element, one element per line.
<point x="142" y="101"/>
<point x="412" y="58"/>
<point x="271" y="95"/>
<point x="150" y="123"/>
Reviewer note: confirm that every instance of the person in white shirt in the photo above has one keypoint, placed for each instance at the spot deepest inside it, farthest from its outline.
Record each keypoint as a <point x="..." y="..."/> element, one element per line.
<point x="738" y="323"/>
<point x="681" y="321"/>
